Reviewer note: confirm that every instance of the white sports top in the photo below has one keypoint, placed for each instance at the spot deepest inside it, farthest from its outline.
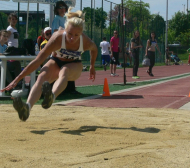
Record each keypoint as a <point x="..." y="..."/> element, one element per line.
<point x="13" y="39"/>
<point x="64" y="53"/>
<point x="105" y="45"/>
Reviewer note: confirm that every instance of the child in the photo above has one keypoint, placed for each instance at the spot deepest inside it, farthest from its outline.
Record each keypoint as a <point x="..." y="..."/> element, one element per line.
<point x="3" y="41"/>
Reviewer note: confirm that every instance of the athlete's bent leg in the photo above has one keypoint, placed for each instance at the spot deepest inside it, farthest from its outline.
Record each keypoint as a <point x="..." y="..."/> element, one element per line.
<point x="49" y="72"/>
<point x="69" y="72"/>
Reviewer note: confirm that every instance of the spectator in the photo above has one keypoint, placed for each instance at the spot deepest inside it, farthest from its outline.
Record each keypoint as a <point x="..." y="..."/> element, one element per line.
<point x="105" y="45"/>
<point x="12" y="65"/>
<point x="172" y="56"/>
<point x="114" y="53"/>
<point x="135" y="46"/>
<point x="40" y="38"/>
<point x="60" y="9"/>
<point x="150" y="51"/>
<point x="47" y="35"/>
<point x="3" y="41"/>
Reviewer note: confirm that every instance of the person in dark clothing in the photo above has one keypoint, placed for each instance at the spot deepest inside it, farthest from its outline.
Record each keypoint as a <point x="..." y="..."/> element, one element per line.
<point x="135" y="46"/>
<point x="40" y="38"/>
<point x="150" y="51"/>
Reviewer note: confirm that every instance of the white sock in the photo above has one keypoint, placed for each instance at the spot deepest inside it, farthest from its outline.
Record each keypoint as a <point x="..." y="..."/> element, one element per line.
<point x="29" y="106"/>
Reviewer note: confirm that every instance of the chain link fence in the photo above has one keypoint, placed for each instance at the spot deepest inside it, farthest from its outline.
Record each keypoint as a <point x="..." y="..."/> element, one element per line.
<point x="99" y="9"/>
<point x="102" y="18"/>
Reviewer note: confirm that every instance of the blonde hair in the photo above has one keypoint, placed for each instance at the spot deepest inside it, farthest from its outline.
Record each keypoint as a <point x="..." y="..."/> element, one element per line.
<point x="77" y="19"/>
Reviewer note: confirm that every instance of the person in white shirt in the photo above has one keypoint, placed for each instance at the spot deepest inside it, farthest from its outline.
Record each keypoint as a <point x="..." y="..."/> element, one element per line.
<point x="105" y="45"/>
<point x="13" y="33"/>
<point x="12" y="65"/>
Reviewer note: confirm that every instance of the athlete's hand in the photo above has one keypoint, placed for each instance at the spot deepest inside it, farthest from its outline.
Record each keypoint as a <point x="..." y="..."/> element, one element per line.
<point x="10" y="86"/>
<point x="92" y="73"/>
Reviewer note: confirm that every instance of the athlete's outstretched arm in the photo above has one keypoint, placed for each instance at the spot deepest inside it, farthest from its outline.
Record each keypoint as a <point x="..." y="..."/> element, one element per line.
<point x="52" y="45"/>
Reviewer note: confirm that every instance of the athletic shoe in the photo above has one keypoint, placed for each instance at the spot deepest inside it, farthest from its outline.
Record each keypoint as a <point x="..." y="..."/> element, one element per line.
<point x="104" y="67"/>
<point x="116" y="75"/>
<point x="148" y="72"/>
<point x="22" y="108"/>
<point x="112" y="74"/>
<point x="151" y="74"/>
<point x="119" y="66"/>
<point x="48" y="95"/>
<point x="135" y="77"/>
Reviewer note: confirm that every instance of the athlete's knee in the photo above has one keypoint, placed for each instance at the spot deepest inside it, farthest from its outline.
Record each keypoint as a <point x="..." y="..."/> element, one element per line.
<point x="42" y="77"/>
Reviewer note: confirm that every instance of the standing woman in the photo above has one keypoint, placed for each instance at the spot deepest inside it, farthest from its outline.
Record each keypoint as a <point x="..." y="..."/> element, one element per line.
<point x="135" y="46"/>
<point x="150" y="51"/>
<point x="12" y="65"/>
<point x="60" y="9"/>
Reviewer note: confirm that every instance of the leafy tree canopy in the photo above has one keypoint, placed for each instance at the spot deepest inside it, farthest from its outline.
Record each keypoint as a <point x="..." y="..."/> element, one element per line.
<point x="137" y="9"/>
<point x="179" y="23"/>
<point x="100" y="16"/>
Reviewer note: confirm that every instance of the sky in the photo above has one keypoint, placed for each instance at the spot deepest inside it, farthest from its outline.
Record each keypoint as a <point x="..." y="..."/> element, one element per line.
<point x="156" y="6"/>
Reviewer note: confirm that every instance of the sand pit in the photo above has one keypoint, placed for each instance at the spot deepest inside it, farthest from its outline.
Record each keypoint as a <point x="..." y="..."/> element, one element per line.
<point x="85" y="137"/>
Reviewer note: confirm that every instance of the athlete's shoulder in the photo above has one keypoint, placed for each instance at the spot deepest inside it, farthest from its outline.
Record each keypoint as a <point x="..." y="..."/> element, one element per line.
<point x="87" y="42"/>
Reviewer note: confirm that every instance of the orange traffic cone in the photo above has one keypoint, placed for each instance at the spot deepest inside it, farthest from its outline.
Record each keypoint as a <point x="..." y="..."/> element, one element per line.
<point x="106" y="91"/>
<point x="189" y="94"/>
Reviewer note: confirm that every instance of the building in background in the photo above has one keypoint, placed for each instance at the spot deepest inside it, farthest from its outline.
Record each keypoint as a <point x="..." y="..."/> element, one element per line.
<point x="23" y="15"/>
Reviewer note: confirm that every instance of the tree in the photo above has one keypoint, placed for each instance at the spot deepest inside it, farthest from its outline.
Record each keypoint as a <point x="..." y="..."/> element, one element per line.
<point x="99" y="20"/>
<point x="179" y="23"/>
<point x="3" y="21"/>
<point x="171" y="36"/>
<point x="157" y="25"/>
<point x="138" y="12"/>
<point x="137" y="9"/>
<point x="184" y="38"/>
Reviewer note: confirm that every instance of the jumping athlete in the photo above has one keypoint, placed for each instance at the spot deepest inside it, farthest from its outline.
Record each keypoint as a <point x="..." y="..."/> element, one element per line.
<point x="64" y="65"/>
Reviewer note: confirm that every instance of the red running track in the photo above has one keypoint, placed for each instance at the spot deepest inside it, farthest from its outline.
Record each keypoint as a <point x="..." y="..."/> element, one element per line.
<point x="171" y="94"/>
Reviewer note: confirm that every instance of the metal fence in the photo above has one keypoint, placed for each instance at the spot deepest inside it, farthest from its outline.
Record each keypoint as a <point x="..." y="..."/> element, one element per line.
<point x="114" y="22"/>
<point x="102" y="18"/>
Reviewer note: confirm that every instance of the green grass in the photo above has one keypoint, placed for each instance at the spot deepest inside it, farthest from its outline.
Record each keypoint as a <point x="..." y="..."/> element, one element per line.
<point x="97" y="89"/>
